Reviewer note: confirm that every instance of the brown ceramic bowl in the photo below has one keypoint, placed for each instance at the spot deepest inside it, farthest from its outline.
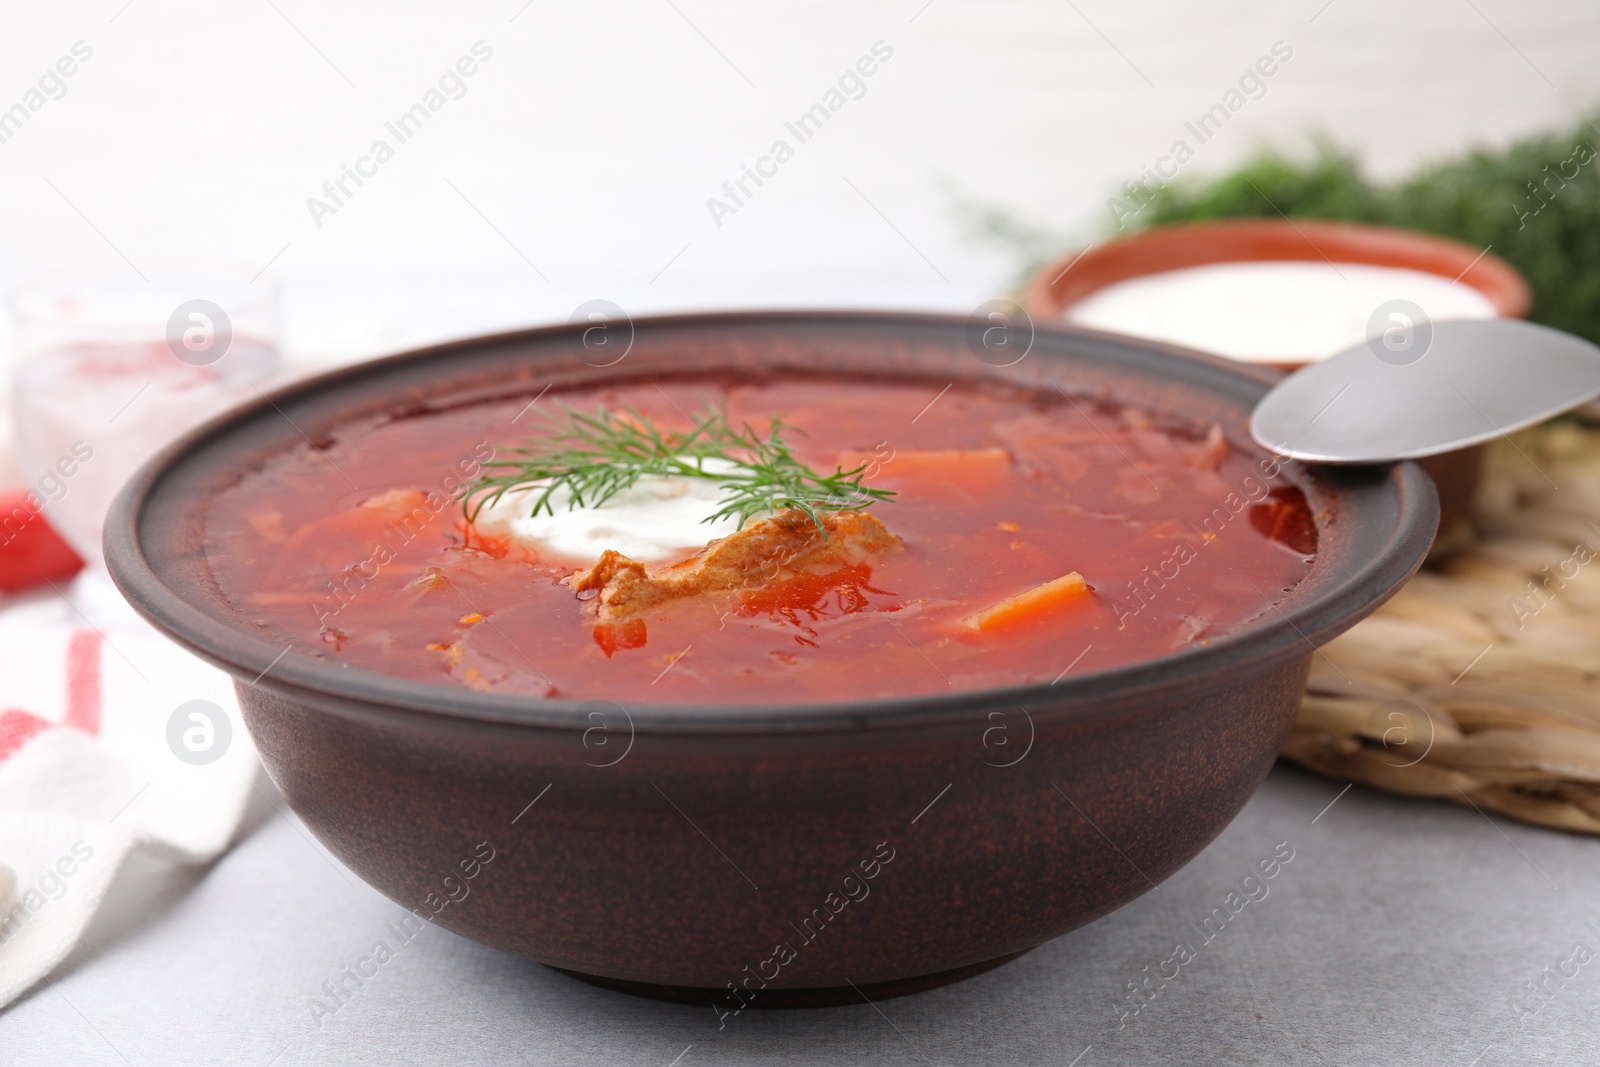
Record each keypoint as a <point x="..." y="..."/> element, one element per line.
<point x="1057" y="286"/>
<point x="671" y="850"/>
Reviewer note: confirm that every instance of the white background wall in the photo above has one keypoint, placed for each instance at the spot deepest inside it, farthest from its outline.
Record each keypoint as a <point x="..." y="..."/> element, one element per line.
<point x="594" y="136"/>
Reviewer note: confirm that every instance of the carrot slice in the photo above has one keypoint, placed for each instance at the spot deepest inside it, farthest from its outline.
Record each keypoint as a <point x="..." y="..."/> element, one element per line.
<point x="1030" y="603"/>
<point x="971" y="468"/>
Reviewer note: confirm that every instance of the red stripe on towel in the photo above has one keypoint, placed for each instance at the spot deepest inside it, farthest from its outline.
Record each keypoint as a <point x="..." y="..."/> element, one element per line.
<point x="83" y="698"/>
<point x="83" y="682"/>
<point x="16" y="727"/>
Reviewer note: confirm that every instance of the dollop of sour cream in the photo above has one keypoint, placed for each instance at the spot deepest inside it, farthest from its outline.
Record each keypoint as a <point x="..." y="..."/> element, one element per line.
<point x="1271" y="312"/>
<point x="658" y="518"/>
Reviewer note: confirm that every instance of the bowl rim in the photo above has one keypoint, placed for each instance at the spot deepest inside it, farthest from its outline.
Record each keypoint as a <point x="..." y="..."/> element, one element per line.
<point x="1262" y="643"/>
<point x="1049" y="292"/>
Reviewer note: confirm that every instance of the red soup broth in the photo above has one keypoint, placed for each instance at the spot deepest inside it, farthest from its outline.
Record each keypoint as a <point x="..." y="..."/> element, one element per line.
<point x="1180" y="536"/>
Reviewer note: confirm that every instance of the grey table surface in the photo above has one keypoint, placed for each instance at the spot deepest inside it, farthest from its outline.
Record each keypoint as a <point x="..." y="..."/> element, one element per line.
<point x="1401" y="932"/>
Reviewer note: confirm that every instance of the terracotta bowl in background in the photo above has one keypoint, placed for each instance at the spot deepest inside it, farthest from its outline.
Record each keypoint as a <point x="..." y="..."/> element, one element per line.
<point x="1053" y="290"/>
<point x="702" y="837"/>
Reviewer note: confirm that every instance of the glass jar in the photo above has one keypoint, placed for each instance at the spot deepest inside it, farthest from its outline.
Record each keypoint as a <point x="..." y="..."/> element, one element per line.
<point x="110" y="365"/>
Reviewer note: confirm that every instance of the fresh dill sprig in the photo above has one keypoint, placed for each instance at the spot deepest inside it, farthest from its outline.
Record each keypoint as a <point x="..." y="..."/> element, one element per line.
<point x="596" y="456"/>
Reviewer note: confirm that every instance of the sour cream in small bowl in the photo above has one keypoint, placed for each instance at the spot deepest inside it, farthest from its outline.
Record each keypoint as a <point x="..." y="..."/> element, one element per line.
<point x="1286" y="293"/>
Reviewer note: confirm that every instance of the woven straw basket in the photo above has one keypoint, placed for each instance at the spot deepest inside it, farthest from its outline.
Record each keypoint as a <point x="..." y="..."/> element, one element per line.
<point x="1478" y="682"/>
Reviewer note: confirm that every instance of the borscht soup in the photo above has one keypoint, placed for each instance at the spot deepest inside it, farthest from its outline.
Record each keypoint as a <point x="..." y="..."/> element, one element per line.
<point x="777" y="539"/>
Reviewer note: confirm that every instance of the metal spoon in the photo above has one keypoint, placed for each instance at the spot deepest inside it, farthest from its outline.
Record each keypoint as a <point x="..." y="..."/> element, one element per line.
<point x="1427" y="388"/>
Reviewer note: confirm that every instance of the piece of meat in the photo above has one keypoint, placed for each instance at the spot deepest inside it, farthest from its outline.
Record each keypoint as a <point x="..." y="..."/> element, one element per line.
<point x="764" y="552"/>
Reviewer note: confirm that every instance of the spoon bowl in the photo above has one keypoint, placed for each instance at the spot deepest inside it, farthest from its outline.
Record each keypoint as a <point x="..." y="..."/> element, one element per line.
<point x="1423" y="389"/>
